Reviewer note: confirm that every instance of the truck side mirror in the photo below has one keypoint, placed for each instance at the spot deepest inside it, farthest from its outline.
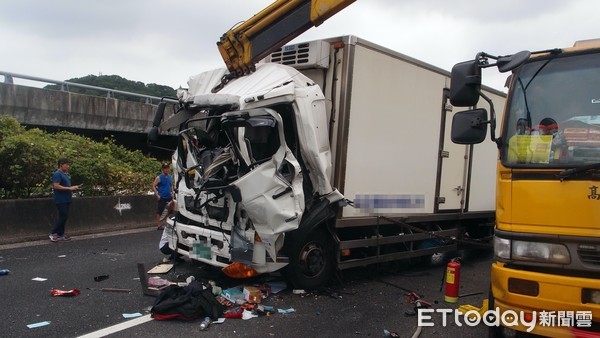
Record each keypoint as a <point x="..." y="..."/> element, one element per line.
<point x="153" y="134"/>
<point x="465" y="84"/>
<point x="508" y="63"/>
<point x="158" y="115"/>
<point x="469" y="127"/>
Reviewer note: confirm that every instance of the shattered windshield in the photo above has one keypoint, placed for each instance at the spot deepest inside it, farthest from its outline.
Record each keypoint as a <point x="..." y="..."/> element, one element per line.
<point x="256" y="139"/>
<point x="553" y="116"/>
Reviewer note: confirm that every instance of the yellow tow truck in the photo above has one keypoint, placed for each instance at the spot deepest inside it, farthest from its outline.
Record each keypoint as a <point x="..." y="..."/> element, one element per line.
<point x="547" y="236"/>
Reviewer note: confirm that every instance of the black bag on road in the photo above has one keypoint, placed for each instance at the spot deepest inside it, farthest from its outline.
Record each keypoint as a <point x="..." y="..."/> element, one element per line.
<point x="188" y="303"/>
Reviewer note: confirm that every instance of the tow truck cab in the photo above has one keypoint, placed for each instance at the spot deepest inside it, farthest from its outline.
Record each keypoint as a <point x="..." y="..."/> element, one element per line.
<point x="547" y="237"/>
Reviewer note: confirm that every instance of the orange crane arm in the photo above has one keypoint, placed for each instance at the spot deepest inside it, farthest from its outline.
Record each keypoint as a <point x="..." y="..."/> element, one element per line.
<point x="243" y="46"/>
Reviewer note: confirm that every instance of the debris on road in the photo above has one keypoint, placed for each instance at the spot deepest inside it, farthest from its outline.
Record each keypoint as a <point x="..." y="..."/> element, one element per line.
<point x="115" y="290"/>
<point x="101" y="278"/>
<point x="264" y="310"/>
<point x="233" y="313"/>
<point x="276" y="286"/>
<point x="65" y="293"/>
<point x="471" y="294"/>
<point x="252" y="294"/>
<point x="39" y="279"/>
<point x="234" y="302"/>
<point x="143" y="277"/>
<point x="34" y="325"/>
<point x="246" y="314"/>
<point x="418" y="302"/>
<point x="205" y="323"/>
<point x="470" y="309"/>
<point x="161" y="268"/>
<point x="284" y="311"/>
<point x="387" y="333"/>
<point x="156" y="283"/>
<point x="234" y="295"/>
<point x="188" y="303"/>
<point x="132" y="315"/>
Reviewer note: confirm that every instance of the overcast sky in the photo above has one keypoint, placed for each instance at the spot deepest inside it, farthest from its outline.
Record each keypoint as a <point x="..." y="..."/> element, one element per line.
<point x="165" y="42"/>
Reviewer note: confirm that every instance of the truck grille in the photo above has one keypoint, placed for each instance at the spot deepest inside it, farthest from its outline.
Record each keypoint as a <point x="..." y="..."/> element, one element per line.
<point x="589" y="255"/>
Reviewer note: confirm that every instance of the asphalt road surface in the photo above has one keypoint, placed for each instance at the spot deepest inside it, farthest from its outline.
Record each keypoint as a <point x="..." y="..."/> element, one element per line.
<point x="363" y="303"/>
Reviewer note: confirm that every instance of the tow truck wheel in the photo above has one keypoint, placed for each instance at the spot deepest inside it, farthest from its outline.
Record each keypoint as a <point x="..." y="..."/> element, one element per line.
<point x="312" y="262"/>
<point x="493" y="331"/>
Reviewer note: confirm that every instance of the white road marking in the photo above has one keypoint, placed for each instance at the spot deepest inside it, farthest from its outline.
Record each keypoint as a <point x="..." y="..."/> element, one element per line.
<point x="119" y="327"/>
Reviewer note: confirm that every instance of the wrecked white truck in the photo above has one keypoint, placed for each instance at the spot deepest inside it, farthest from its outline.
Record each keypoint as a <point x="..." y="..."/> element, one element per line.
<point x="332" y="154"/>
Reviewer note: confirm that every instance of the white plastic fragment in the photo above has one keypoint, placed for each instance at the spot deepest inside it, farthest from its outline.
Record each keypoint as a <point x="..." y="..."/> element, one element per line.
<point x="34" y="325"/>
<point x="248" y="315"/>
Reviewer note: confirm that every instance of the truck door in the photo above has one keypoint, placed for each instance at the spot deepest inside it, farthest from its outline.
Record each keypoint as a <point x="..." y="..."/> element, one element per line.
<point x="270" y="186"/>
<point x="452" y="165"/>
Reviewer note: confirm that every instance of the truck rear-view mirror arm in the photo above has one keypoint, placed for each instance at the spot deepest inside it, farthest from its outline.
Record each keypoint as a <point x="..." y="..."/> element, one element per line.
<point x="508" y="63"/>
<point x="154" y="133"/>
<point x="492" y="120"/>
<point x="465" y="86"/>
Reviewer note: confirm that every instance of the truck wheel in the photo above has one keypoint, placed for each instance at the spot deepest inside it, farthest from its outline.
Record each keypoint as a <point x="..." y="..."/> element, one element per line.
<point x="312" y="261"/>
<point x="493" y="331"/>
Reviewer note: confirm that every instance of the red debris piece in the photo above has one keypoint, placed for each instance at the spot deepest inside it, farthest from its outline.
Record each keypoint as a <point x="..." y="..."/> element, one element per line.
<point x="64" y="293"/>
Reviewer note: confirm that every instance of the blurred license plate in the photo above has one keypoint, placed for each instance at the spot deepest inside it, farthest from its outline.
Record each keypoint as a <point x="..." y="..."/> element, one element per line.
<point x="200" y="249"/>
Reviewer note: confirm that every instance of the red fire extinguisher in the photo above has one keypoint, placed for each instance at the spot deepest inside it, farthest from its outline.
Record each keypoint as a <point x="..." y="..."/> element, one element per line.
<point x="452" y="280"/>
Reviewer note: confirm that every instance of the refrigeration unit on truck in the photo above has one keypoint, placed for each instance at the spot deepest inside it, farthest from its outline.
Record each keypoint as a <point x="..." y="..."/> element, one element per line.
<point x="332" y="154"/>
<point x="547" y="238"/>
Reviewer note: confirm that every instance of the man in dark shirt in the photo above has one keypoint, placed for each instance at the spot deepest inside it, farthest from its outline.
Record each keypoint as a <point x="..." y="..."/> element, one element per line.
<point x="61" y="185"/>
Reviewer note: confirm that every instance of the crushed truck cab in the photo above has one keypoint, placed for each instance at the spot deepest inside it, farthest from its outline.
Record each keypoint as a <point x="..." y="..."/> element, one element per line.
<point x="240" y="186"/>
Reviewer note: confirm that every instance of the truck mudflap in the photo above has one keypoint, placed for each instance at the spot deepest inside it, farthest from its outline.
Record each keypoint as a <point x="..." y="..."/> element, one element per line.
<point x="555" y="294"/>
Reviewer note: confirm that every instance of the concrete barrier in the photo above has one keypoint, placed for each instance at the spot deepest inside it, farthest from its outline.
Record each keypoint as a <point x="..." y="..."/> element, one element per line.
<point x="52" y="108"/>
<point x="23" y="220"/>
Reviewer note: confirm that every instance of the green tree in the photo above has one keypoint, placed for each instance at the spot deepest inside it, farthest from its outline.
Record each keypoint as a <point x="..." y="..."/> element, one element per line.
<point x="117" y="83"/>
<point x="28" y="158"/>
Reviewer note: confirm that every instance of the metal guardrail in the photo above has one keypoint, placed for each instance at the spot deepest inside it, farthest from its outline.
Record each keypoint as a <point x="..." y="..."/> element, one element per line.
<point x="8" y="78"/>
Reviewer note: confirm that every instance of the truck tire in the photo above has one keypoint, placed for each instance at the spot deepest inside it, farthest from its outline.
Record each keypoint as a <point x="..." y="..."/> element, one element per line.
<point x="312" y="261"/>
<point x="493" y="331"/>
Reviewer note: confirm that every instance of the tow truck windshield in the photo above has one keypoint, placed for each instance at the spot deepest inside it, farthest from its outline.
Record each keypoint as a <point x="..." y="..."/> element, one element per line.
<point x="553" y="118"/>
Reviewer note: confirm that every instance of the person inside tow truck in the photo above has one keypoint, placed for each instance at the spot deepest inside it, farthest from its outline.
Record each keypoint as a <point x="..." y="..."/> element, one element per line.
<point x="549" y="126"/>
